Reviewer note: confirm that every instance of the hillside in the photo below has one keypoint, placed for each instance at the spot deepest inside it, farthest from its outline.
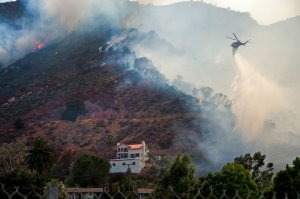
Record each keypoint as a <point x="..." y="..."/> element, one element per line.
<point x="122" y="104"/>
<point x="82" y="97"/>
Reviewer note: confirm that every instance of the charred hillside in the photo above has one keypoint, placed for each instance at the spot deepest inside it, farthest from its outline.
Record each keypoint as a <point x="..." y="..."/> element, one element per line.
<point x="65" y="55"/>
<point x="81" y="99"/>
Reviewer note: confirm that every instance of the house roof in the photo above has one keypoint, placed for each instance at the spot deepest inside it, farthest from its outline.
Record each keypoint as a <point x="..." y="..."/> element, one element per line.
<point x="135" y="146"/>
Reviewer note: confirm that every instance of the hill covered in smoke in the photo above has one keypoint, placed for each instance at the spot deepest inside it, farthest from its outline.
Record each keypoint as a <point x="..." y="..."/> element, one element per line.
<point x="123" y="98"/>
<point x="200" y="31"/>
<point x="150" y="45"/>
<point x="269" y="65"/>
<point x="204" y="49"/>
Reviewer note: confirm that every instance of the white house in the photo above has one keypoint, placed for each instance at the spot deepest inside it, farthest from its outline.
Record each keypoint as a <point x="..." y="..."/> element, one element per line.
<point x="131" y="156"/>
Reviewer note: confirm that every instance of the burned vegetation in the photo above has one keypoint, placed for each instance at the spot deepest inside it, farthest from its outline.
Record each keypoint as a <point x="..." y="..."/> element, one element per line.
<point x="81" y="99"/>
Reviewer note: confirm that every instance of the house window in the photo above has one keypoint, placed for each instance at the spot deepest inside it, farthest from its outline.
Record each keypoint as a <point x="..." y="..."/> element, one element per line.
<point x="113" y="164"/>
<point x="125" y="150"/>
<point x="132" y="155"/>
<point x="119" y="149"/>
<point x="133" y="163"/>
<point x="137" y="155"/>
<point x="71" y="196"/>
<point x="124" y="163"/>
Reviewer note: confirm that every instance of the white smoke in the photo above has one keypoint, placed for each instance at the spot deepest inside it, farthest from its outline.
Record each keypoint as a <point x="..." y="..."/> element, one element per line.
<point x="265" y="92"/>
<point x="69" y="14"/>
<point x="16" y="43"/>
<point x="51" y="20"/>
<point x="255" y="99"/>
<point x="265" y="117"/>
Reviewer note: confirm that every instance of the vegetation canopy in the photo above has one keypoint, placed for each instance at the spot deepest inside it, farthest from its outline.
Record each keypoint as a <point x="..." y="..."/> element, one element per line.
<point x="40" y="157"/>
<point x="232" y="179"/>
<point x="179" y="176"/>
<point x="90" y="170"/>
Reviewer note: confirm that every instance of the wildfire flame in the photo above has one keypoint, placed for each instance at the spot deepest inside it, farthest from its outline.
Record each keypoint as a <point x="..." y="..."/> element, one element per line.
<point x="39" y="46"/>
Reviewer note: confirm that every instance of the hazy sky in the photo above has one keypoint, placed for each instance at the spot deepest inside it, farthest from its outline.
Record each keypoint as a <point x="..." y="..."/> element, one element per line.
<point x="264" y="11"/>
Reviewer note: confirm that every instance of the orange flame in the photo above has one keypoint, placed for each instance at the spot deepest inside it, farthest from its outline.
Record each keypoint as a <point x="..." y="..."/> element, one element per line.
<point x="39" y="46"/>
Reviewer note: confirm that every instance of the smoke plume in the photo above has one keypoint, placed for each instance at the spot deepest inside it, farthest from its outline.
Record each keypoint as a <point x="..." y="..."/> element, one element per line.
<point x="47" y="21"/>
<point x="255" y="99"/>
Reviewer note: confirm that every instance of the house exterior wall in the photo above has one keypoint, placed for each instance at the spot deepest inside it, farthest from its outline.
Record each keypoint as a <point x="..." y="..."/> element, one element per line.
<point x="122" y="165"/>
<point x="129" y="156"/>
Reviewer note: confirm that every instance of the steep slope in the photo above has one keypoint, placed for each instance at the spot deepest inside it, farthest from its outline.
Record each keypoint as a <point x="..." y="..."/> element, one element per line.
<point x="125" y="98"/>
<point x="123" y="102"/>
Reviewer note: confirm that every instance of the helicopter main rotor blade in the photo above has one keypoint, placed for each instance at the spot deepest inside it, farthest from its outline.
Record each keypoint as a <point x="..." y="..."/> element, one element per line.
<point x="230" y="38"/>
<point x="235" y="36"/>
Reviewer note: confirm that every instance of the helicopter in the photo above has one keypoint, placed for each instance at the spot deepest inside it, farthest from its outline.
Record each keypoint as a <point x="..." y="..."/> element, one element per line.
<point x="237" y="42"/>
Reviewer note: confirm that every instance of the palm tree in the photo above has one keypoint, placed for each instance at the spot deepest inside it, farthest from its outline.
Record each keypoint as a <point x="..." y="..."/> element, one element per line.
<point x="41" y="157"/>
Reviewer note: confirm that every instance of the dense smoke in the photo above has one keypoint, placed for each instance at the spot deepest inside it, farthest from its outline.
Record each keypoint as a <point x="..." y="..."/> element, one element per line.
<point x="264" y="115"/>
<point x="255" y="99"/>
<point x="258" y="117"/>
<point x="46" y="21"/>
<point x="264" y="90"/>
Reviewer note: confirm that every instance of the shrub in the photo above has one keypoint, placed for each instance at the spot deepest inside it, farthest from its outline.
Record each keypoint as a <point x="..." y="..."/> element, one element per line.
<point x="26" y="183"/>
<point x="90" y="170"/>
<point x="19" y="124"/>
<point x="73" y="109"/>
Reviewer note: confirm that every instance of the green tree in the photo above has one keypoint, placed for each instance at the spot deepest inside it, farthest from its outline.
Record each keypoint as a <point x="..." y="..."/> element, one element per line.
<point x="288" y="181"/>
<point x="255" y="165"/>
<point x="90" y="170"/>
<point x="179" y="176"/>
<point x="40" y="157"/>
<point x="231" y="179"/>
